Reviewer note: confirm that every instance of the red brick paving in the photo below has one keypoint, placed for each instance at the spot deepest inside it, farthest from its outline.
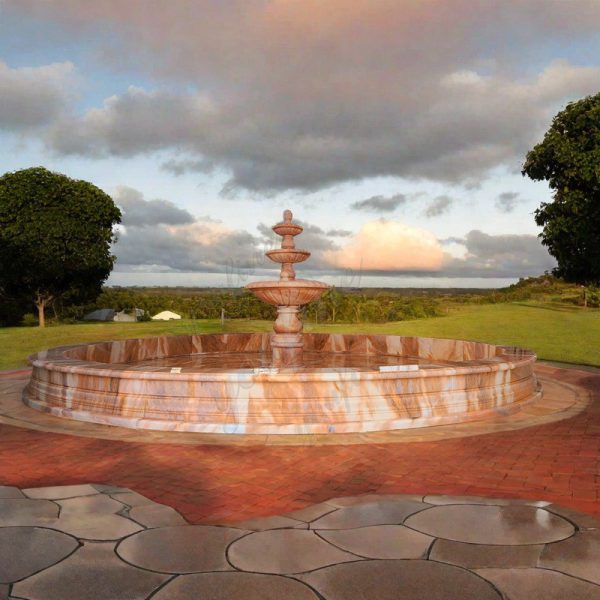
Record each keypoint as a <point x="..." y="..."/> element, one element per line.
<point x="559" y="462"/>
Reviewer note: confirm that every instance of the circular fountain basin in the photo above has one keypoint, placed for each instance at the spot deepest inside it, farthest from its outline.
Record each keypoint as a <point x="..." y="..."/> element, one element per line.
<point x="223" y="383"/>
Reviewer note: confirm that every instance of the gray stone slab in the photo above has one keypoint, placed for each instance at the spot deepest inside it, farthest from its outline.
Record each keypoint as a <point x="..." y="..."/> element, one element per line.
<point x="487" y="524"/>
<point x="344" y="501"/>
<point x="94" y="571"/>
<point x="479" y="556"/>
<point x="582" y="520"/>
<point x="131" y="498"/>
<point x="8" y="491"/>
<point x="382" y="512"/>
<point x="98" y="504"/>
<point x="235" y="586"/>
<point x="26" y="550"/>
<point x="285" y="551"/>
<point x="540" y="584"/>
<point x="190" y="549"/>
<point x="266" y="523"/>
<point x="443" y="500"/>
<point x="95" y="526"/>
<point x="380" y="541"/>
<point x="156" y="515"/>
<point x="23" y="511"/>
<point x="109" y="489"/>
<point x="61" y="491"/>
<point x="399" y="580"/>
<point x="578" y="556"/>
<point x="310" y="513"/>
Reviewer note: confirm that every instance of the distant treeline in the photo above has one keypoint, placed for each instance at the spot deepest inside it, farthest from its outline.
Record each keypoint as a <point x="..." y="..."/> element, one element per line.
<point x="193" y="305"/>
<point x="347" y="305"/>
<point x="333" y="307"/>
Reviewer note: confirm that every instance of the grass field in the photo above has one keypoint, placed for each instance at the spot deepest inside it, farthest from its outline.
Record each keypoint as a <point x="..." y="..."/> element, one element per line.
<point x="555" y="332"/>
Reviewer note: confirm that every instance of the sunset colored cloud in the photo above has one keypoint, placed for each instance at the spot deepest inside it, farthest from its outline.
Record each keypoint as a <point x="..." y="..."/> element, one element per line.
<point x="389" y="246"/>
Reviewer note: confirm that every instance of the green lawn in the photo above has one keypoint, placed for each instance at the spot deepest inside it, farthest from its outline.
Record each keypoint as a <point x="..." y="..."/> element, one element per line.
<point x="555" y="332"/>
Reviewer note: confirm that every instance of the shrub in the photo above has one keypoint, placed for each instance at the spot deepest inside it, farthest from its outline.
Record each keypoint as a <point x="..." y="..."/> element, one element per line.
<point x="29" y="320"/>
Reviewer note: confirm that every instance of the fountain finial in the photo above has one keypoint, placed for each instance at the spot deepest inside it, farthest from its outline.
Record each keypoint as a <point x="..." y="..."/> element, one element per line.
<point x="287" y="216"/>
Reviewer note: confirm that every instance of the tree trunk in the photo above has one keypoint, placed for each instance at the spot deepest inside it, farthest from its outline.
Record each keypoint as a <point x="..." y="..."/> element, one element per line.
<point x="41" y="305"/>
<point x="41" y="302"/>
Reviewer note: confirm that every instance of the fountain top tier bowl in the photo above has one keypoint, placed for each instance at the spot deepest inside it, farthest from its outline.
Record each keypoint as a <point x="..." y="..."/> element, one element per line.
<point x="284" y="382"/>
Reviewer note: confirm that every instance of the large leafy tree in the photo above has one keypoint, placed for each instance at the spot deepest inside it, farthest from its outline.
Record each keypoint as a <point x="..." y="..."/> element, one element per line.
<point x="55" y="237"/>
<point x="568" y="158"/>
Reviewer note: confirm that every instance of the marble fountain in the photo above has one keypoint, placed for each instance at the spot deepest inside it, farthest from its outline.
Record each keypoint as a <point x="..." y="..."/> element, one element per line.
<point x="284" y="382"/>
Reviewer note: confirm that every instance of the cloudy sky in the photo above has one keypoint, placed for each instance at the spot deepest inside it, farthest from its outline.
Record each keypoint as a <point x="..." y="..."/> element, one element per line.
<point x="395" y="129"/>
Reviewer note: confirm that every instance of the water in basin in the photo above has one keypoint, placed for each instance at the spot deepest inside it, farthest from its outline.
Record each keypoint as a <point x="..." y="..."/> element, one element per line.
<point x="223" y="362"/>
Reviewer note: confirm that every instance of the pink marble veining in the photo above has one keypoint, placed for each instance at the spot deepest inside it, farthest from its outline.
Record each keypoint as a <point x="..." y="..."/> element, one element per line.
<point x="129" y="383"/>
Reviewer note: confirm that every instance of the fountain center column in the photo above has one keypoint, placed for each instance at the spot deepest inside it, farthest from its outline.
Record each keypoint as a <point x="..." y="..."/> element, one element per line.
<point x="287" y="339"/>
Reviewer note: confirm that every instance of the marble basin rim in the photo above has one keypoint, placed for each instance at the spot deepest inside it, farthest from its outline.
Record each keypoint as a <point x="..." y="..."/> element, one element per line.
<point x="100" y="382"/>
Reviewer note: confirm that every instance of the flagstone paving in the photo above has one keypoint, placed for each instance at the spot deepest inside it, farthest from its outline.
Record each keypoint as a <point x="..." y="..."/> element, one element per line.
<point x="408" y="553"/>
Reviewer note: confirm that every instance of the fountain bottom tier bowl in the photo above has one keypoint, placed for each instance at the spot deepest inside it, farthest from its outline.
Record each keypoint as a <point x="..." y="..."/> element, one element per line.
<point x="224" y="383"/>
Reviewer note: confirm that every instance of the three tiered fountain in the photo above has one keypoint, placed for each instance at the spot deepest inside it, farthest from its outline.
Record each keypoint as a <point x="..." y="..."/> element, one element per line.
<point x="288" y="295"/>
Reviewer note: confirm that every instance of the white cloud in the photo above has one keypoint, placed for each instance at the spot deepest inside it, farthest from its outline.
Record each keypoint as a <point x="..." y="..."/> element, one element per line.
<point x="159" y="236"/>
<point x="499" y="256"/>
<point x="135" y="122"/>
<point x="439" y="206"/>
<point x="380" y="203"/>
<point x="32" y="97"/>
<point x="138" y="212"/>
<point x="506" y="202"/>
<point x="303" y="95"/>
<point x="456" y="132"/>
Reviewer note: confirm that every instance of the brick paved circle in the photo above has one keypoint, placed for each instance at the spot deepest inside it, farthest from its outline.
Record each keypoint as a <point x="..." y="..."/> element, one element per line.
<point x="558" y="461"/>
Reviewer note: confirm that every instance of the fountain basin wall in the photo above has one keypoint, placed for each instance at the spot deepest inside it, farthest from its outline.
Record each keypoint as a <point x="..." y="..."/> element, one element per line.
<point x="129" y="383"/>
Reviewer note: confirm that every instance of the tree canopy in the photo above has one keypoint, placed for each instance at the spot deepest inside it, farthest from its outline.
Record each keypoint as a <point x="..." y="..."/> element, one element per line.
<point x="568" y="158"/>
<point x="55" y="237"/>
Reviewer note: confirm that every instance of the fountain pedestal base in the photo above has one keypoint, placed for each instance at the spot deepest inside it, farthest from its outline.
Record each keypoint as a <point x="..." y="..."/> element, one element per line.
<point x="287" y="340"/>
<point x="286" y="356"/>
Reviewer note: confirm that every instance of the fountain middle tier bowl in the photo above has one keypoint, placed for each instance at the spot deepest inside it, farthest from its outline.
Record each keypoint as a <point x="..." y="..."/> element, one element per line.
<point x="294" y="292"/>
<point x="223" y="383"/>
<point x="288" y="255"/>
